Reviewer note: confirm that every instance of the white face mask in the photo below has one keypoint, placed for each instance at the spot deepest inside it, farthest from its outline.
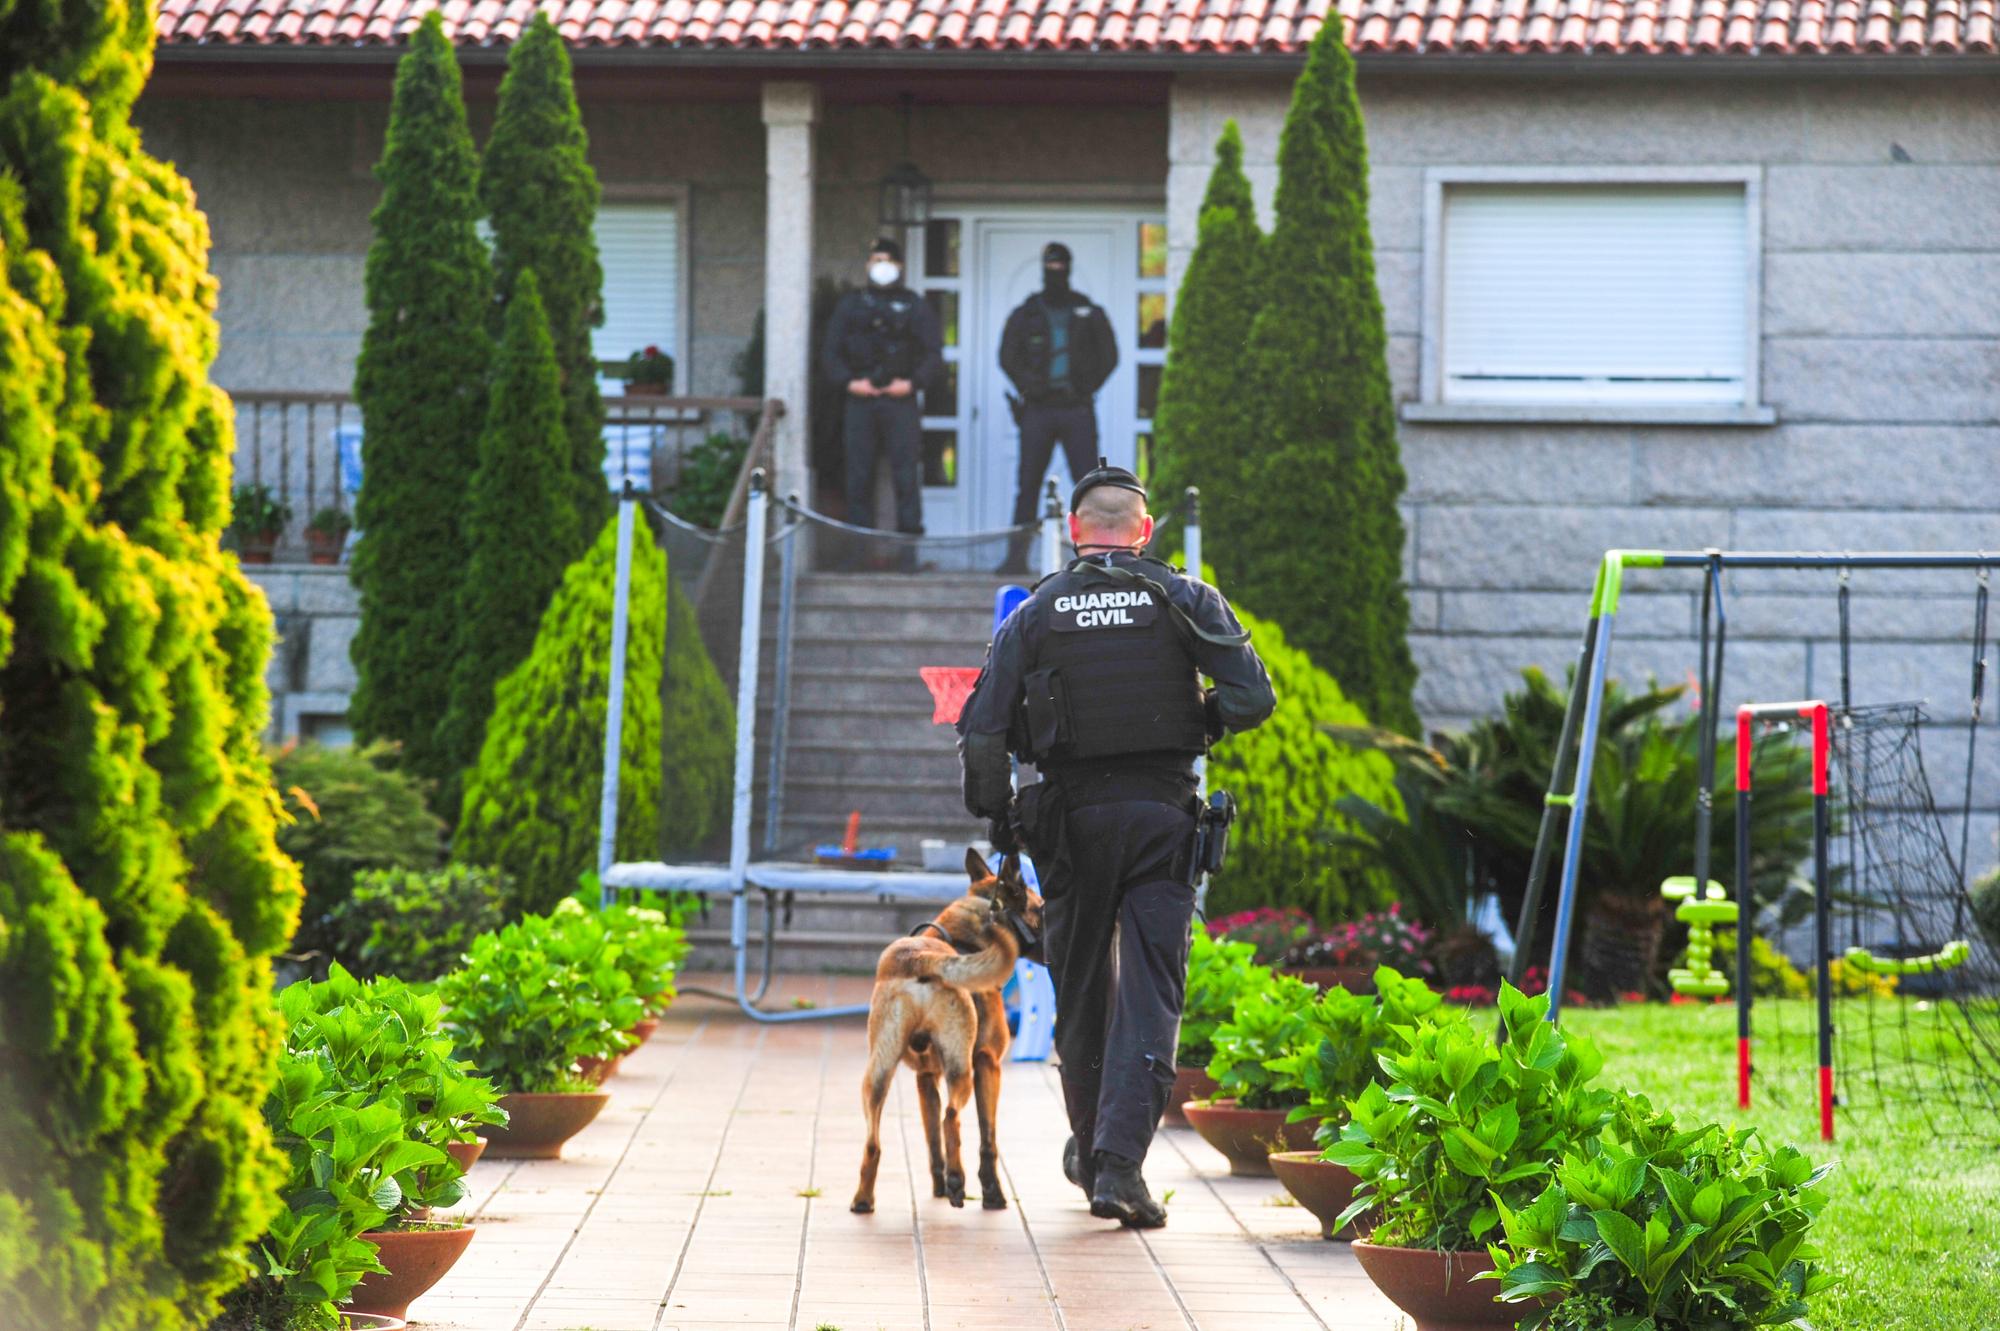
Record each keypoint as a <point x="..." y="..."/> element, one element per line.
<point x="883" y="273"/>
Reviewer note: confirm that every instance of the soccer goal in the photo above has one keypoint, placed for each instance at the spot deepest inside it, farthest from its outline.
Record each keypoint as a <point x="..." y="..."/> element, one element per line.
<point x="1906" y="993"/>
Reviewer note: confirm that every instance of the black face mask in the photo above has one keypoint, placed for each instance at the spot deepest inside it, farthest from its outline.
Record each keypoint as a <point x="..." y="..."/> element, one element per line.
<point x="1055" y="280"/>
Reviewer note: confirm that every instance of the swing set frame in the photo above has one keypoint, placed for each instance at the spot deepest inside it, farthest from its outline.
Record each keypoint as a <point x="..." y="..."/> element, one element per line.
<point x="1565" y="806"/>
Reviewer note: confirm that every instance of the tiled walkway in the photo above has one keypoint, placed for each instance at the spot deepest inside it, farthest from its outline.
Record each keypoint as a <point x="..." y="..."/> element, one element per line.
<point x="713" y="1193"/>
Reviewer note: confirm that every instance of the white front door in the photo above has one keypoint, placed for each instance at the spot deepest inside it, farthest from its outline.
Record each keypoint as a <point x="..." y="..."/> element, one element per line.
<point x="976" y="267"/>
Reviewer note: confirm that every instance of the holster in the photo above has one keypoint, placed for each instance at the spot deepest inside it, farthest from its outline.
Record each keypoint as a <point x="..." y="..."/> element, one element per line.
<point x="1211" y="833"/>
<point x="1037" y="818"/>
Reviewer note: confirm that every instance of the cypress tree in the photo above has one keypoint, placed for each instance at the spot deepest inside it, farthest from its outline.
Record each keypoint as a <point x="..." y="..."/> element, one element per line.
<point x="141" y="888"/>
<point x="1199" y="434"/>
<point x="537" y="187"/>
<point x="531" y="800"/>
<point x="519" y="528"/>
<point x="421" y="383"/>
<point x="1321" y="542"/>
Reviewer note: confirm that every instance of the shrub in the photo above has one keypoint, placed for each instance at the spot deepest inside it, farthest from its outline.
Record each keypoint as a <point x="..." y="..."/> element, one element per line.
<point x="1772" y="974"/>
<point x="1467" y="1126"/>
<point x="1323" y="456"/>
<point x="1667" y="1230"/>
<point x="1288" y="775"/>
<point x="1272" y="931"/>
<point x="708" y="475"/>
<point x="141" y="888"/>
<point x="420" y="382"/>
<point x="534" y="998"/>
<point x="520" y="531"/>
<point x="1985" y="894"/>
<point x="1218" y="971"/>
<point x="531" y="803"/>
<point x="416" y="923"/>
<point x="1384" y="938"/>
<point x="1268" y="1021"/>
<point x="537" y="185"/>
<point x="351" y="810"/>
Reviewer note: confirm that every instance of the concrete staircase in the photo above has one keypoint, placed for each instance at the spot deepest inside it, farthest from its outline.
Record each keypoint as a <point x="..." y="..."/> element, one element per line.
<point x="860" y="737"/>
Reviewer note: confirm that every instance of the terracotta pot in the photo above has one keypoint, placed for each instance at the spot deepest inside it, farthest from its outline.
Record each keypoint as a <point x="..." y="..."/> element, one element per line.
<point x="539" y="1124"/>
<point x="1189" y="1084"/>
<point x="1437" y="1289"/>
<point x="1355" y="979"/>
<point x="644" y="1030"/>
<point x="1246" y="1137"/>
<point x="466" y="1153"/>
<point x="416" y="1258"/>
<point x="323" y="547"/>
<point x="257" y="547"/>
<point x="598" y="1068"/>
<point x="352" y="1321"/>
<point x="1322" y="1187"/>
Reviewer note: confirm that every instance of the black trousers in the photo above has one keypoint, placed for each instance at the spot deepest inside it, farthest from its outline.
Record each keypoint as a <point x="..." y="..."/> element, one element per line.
<point x="1118" y="907"/>
<point x="1042" y="427"/>
<point x="891" y="426"/>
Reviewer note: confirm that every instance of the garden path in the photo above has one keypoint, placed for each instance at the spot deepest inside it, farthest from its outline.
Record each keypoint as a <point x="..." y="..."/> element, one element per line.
<point x="713" y="1192"/>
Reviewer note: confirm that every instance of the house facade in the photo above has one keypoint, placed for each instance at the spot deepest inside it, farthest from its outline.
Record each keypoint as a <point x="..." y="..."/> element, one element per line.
<point x="1655" y="275"/>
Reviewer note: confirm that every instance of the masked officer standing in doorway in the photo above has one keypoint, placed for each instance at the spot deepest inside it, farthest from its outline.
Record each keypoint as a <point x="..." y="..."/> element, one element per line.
<point x="882" y="345"/>
<point x="1058" y="348"/>
<point x="1096" y="679"/>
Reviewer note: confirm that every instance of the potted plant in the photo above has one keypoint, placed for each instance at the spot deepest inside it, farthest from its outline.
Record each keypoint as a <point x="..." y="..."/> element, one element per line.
<point x="651" y="948"/>
<point x="257" y="518"/>
<point x="530" y="1002"/>
<point x="326" y="534"/>
<point x="385" y="1043"/>
<point x="1657" y="1227"/>
<point x="649" y="372"/>
<point x="1218" y="970"/>
<point x="1249" y="1116"/>
<point x="1337" y="1062"/>
<point x="1466" y="1130"/>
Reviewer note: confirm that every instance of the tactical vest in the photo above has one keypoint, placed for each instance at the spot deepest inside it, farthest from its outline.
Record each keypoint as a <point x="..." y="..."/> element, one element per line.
<point x="1112" y="672"/>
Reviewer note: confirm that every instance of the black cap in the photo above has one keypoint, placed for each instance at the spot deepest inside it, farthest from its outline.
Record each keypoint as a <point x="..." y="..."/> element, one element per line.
<point x="1055" y="252"/>
<point x="884" y="245"/>
<point x="1104" y="474"/>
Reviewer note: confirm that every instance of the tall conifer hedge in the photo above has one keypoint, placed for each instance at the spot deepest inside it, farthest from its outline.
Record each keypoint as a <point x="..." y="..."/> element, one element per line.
<point x="1200" y="431"/>
<point x="421" y="385"/>
<point x="520" y="527"/>
<point x="1320" y="548"/>
<point x="141" y="889"/>
<point x="541" y="194"/>
<point x="531" y="801"/>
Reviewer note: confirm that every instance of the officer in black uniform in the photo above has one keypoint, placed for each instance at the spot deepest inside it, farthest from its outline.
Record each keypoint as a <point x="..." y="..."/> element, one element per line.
<point x="1058" y="348"/>
<point x="882" y="345"/>
<point x="1096" y="679"/>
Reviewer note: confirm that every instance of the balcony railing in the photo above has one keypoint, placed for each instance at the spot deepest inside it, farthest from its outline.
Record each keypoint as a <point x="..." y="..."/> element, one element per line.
<point x="307" y="446"/>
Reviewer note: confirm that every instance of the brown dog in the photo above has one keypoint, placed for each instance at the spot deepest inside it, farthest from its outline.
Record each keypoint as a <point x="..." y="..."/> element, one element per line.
<point x="936" y="1007"/>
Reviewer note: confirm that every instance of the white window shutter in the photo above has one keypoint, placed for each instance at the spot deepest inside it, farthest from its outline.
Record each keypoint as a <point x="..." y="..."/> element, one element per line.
<point x="1595" y="293"/>
<point x="638" y="245"/>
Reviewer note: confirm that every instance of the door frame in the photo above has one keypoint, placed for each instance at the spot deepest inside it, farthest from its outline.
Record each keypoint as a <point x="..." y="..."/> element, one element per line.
<point x="976" y="357"/>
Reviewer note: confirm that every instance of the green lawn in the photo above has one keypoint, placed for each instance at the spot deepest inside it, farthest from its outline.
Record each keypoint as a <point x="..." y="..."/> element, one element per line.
<point x="1913" y="1225"/>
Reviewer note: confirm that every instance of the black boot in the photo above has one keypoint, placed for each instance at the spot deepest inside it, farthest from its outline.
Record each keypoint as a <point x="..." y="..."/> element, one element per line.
<point x="1075" y="1168"/>
<point x="1119" y="1193"/>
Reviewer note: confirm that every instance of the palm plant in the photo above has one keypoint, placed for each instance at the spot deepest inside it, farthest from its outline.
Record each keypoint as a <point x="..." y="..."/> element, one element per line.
<point x="1484" y="790"/>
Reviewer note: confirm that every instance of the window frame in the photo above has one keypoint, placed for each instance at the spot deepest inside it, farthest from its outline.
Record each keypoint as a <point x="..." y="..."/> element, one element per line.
<point x="677" y="197"/>
<point x="1431" y="405"/>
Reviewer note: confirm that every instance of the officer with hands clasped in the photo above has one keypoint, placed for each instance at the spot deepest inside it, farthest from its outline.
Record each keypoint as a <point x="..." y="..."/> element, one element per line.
<point x="1096" y="680"/>
<point x="882" y="346"/>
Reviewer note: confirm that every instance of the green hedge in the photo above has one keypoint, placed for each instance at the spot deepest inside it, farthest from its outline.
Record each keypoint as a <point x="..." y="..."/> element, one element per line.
<point x="531" y="802"/>
<point x="141" y="887"/>
<point x="1288" y="776"/>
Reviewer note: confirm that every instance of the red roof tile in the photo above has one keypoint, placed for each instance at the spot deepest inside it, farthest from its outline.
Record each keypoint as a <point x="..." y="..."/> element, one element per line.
<point x="1180" y="27"/>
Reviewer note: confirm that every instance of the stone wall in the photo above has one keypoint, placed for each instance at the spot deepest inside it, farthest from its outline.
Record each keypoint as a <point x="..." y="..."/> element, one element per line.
<point x="1880" y="354"/>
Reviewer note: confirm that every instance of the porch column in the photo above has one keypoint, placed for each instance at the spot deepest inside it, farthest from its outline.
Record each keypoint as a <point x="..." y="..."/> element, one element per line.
<point x="790" y="111"/>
